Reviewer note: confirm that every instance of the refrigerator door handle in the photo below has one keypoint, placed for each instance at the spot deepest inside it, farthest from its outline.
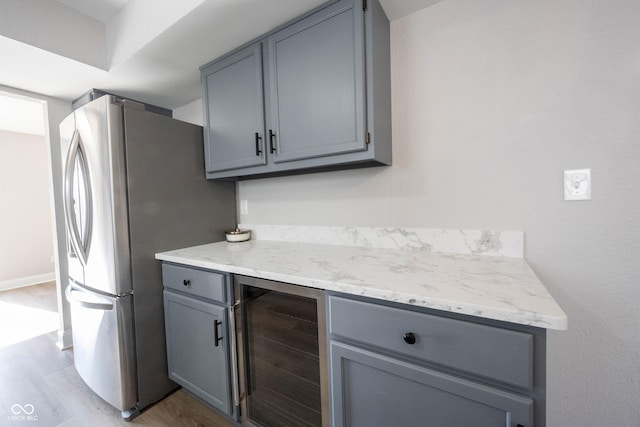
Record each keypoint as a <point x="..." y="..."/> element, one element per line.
<point x="74" y="297"/>
<point x="76" y="158"/>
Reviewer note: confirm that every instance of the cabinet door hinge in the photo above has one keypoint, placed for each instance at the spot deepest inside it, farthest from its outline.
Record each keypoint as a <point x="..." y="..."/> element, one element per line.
<point x="364" y="5"/>
<point x="367" y="138"/>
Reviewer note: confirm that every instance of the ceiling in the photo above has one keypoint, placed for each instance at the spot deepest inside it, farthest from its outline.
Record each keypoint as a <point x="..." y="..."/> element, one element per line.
<point x="149" y="50"/>
<point x="102" y="10"/>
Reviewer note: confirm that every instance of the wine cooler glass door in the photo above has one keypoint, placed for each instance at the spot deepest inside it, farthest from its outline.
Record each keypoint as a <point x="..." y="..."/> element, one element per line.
<point x="282" y="349"/>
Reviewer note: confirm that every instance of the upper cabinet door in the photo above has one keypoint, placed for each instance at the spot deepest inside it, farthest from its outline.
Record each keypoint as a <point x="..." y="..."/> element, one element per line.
<point x="234" y="111"/>
<point x="317" y="85"/>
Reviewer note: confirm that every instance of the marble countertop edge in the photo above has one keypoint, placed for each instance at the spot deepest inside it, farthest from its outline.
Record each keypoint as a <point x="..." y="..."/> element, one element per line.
<point x="550" y="320"/>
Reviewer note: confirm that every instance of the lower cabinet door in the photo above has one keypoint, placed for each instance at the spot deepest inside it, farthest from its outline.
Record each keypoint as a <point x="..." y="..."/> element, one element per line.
<point x="369" y="389"/>
<point x="197" y="346"/>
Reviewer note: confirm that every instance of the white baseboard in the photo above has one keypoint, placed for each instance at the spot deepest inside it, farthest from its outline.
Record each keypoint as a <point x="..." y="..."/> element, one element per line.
<point x="65" y="340"/>
<point x="27" y="281"/>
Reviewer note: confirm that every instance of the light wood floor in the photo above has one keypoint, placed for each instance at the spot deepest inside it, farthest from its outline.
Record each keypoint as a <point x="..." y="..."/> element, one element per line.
<point x="41" y="296"/>
<point x="35" y="372"/>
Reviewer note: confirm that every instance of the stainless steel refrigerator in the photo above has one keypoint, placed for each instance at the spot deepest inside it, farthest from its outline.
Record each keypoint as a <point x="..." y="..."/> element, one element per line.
<point x="134" y="185"/>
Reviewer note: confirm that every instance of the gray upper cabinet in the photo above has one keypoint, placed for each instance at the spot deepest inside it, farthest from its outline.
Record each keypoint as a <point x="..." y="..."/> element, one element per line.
<point x="312" y="95"/>
<point x="316" y="109"/>
<point x="234" y="111"/>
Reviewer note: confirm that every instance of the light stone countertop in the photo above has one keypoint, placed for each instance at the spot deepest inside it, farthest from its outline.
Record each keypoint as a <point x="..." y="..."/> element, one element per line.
<point x="498" y="288"/>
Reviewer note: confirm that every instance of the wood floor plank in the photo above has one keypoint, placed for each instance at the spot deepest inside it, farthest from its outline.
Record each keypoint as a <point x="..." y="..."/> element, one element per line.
<point x="44" y="356"/>
<point x="182" y="409"/>
<point x="82" y="403"/>
<point x="42" y="296"/>
<point x="23" y="386"/>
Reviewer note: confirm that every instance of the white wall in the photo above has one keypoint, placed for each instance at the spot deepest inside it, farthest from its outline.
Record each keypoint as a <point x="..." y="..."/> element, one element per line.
<point x="492" y="100"/>
<point x="26" y="244"/>
<point x="190" y="113"/>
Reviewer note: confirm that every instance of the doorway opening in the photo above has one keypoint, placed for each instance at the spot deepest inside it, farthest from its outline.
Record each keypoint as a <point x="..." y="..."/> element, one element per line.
<point x="28" y="297"/>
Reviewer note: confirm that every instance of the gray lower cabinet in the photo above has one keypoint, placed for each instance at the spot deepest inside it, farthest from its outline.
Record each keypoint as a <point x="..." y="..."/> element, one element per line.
<point x="392" y="364"/>
<point x="312" y="95"/>
<point x="377" y="390"/>
<point x="197" y="331"/>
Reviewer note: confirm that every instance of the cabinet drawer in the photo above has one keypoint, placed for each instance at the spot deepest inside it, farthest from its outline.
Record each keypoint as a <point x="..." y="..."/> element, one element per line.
<point x="496" y="353"/>
<point x="201" y="283"/>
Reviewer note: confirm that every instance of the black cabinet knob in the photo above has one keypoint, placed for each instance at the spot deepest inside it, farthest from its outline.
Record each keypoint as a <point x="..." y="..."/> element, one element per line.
<point x="186" y="282"/>
<point x="409" y="338"/>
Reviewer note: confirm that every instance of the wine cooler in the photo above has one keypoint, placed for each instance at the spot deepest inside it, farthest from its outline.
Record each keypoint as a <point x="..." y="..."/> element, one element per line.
<point x="281" y="368"/>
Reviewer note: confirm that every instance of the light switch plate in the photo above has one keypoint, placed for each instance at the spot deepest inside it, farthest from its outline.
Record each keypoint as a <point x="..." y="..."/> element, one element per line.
<point x="244" y="207"/>
<point x="577" y="184"/>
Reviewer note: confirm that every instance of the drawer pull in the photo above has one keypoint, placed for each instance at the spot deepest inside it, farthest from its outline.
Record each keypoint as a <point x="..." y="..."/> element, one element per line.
<point x="216" y="338"/>
<point x="186" y="282"/>
<point x="409" y="338"/>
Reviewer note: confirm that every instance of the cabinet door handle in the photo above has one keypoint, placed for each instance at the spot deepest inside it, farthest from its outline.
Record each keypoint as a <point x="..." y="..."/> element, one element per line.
<point x="216" y="338"/>
<point x="186" y="282"/>
<point x="409" y="338"/>
<point x="272" y="148"/>
<point x="258" y="150"/>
